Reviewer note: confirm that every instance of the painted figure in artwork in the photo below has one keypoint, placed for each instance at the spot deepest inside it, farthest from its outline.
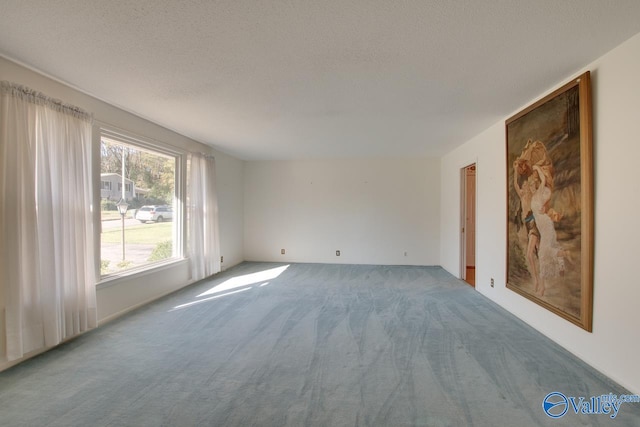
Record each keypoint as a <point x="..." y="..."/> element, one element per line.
<point x="545" y="257"/>
<point x="525" y="194"/>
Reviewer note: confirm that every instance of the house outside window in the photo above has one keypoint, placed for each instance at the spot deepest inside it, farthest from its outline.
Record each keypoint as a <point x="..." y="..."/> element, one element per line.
<point x="111" y="187"/>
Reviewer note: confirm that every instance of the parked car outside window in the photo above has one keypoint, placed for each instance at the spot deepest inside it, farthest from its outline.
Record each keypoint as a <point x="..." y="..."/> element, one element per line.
<point x="154" y="213"/>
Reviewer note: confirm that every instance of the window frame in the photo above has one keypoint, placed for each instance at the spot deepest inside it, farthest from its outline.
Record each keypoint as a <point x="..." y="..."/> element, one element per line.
<point x="127" y="186"/>
<point x="103" y="130"/>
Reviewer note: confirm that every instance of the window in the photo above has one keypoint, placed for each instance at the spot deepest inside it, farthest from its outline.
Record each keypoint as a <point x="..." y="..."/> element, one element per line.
<point x="127" y="187"/>
<point x="148" y="232"/>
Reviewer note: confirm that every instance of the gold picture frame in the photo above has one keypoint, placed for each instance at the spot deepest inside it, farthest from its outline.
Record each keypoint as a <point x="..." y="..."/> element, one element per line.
<point x="550" y="202"/>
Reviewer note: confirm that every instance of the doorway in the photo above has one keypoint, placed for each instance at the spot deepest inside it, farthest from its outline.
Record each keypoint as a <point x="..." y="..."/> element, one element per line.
<point x="468" y="224"/>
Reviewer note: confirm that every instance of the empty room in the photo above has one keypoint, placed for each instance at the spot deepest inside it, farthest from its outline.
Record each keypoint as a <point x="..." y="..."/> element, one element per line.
<point x="329" y="213"/>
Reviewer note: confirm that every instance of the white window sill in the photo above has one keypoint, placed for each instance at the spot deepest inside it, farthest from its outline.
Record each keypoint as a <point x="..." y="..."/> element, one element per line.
<point x="117" y="278"/>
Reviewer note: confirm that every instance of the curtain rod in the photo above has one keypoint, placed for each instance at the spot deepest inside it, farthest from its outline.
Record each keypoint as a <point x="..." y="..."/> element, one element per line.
<point x="205" y="155"/>
<point x="30" y="95"/>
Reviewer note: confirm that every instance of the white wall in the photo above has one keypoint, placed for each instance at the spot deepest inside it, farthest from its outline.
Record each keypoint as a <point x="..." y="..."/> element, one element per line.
<point x="135" y="290"/>
<point x="372" y="210"/>
<point x="230" y="187"/>
<point x="614" y="344"/>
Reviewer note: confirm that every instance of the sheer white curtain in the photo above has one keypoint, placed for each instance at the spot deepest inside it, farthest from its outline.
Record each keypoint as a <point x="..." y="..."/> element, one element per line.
<point x="203" y="243"/>
<point x="47" y="274"/>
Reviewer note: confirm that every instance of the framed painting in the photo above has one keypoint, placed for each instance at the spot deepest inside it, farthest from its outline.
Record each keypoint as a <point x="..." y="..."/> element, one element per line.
<point x="550" y="202"/>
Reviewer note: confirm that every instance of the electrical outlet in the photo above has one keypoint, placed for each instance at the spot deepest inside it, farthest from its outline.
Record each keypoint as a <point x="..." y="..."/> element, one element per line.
<point x="492" y="283"/>
<point x="221" y="259"/>
<point x="281" y="251"/>
<point x="337" y="253"/>
<point x="405" y="253"/>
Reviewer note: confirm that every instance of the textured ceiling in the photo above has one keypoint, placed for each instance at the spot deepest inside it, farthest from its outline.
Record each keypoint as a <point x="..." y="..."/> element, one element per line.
<point x="306" y="79"/>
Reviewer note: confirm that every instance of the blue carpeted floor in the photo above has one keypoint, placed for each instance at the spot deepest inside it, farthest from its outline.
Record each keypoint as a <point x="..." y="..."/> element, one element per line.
<point x="308" y="345"/>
